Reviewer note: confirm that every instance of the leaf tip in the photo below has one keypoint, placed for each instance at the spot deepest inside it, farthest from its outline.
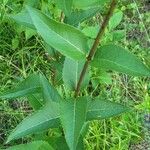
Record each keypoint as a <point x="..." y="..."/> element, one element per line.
<point x="8" y="140"/>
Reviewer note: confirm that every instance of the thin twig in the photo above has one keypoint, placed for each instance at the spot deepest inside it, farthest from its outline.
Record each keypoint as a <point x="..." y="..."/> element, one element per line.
<point x="95" y="45"/>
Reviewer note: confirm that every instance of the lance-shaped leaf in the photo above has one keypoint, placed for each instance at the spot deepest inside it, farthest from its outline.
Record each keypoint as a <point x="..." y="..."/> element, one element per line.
<point x="71" y="73"/>
<point x="73" y="116"/>
<point x="78" y="16"/>
<point x="33" y="86"/>
<point x="47" y="117"/>
<point x="36" y="145"/>
<point x="85" y="4"/>
<point x="24" y="19"/>
<point x="65" y="5"/>
<point x="102" y="109"/>
<point x="66" y="39"/>
<point x="112" y="57"/>
<point x="28" y="86"/>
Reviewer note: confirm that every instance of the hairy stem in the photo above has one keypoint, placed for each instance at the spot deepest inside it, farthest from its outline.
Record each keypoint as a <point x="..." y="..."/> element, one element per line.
<point x="95" y="45"/>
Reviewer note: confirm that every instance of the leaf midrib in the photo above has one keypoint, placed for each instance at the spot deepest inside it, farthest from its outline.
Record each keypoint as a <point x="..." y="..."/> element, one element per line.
<point x="95" y="110"/>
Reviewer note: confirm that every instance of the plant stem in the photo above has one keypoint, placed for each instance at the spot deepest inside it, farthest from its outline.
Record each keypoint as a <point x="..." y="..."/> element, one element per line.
<point x="62" y="17"/>
<point x="95" y="45"/>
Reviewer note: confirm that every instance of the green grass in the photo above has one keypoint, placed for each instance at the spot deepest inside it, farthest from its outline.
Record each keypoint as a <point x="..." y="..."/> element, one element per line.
<point x="20" y="57"/>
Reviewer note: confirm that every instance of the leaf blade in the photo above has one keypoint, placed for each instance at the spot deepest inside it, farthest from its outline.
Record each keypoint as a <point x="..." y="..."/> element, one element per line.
<point x="49" y="93"/>
<point x="66" y="39"/>
<point x="78" y="16"/>
<point x="47" y="117"/>
<point x="115" y="20"/>
<point x="112" y="57"/>
<point x="65" y="5"/>
<point x="30" y="85"/>
<point x="23" y="18"/>
<point x="85" y="4"/>
<point x="73" y="116"/>
<point x="102" y="109"/>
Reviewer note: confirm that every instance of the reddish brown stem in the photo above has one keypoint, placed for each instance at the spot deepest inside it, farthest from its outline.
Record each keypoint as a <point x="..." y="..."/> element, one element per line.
<point x="95" y="45"/>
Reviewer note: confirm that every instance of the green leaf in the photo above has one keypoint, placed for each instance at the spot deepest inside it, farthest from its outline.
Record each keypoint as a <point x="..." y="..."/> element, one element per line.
<point x="118" y="35"/>
<point x="28" y="86"/>
<point x="49" y="93"/>
<point x="84" y="130"/>
<point x="115" y="20"/>
<point x="105" y="77"/>
<point x="23" y="18"/>
<point x="32" y="3"/>
<point x="58" y="143"/>
<point x="101" y="77"/>
<point x="36" y="100"/>
<point x="78" y="16"/>
<point x="36" y="145"/>
<point x="102" y="109"/>
<point x="15" y="43"/>
<point x="71" y="73"/>
<point x="80" y="144"/>
<point x="91" y="31"/>
<point x="66" y="39"/>
<point x="65" y="5"/>
<point x="72" y="44"/>
<point x="29" y="33"/>
<point x="47" y="117"/>
<point x="112" y="57"/>
<point x="85" y="4"/>
<point x="57" y="67"/>
<point x="35" y="83"/>
<point x="73" y="116"/>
